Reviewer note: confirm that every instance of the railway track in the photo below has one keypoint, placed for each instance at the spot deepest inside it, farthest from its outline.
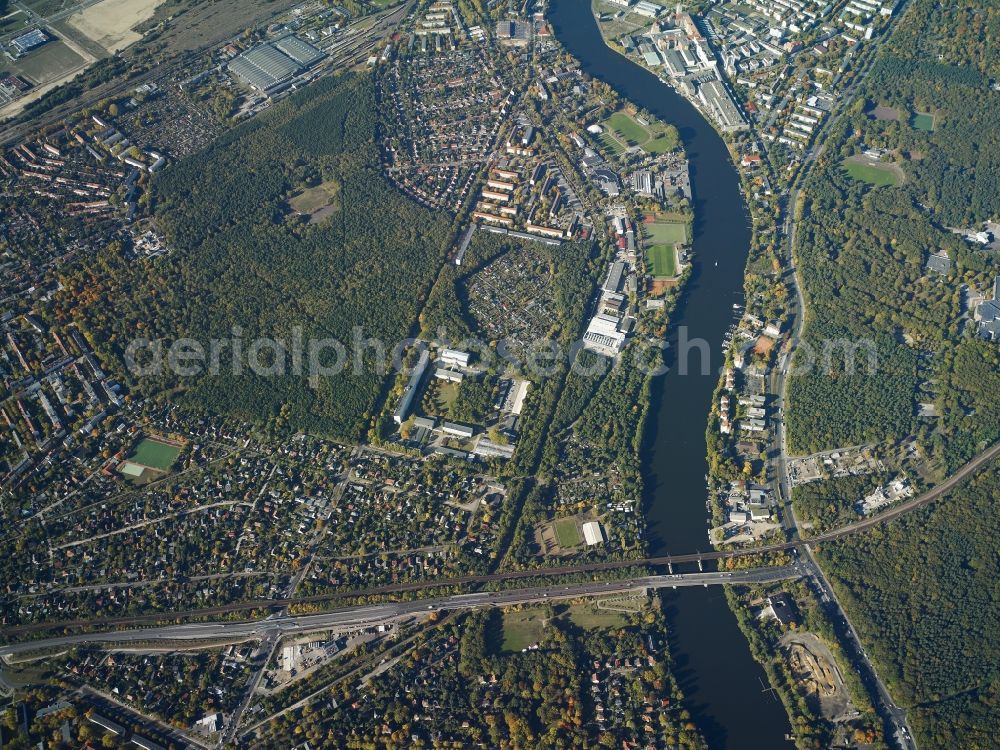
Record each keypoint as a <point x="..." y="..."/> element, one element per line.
<point x="971" y="468"/>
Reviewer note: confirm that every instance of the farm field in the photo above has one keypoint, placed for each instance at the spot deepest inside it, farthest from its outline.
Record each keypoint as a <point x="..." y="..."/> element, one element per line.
<point x="877" y="175"/>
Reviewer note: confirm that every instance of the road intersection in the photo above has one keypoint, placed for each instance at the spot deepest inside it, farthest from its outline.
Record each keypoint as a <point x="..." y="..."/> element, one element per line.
<point x="274" y="627"/>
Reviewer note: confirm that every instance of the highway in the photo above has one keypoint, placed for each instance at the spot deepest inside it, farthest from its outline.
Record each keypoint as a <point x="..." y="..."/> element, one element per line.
<point x="973" y="466"/>
<point x="271" y="628"/>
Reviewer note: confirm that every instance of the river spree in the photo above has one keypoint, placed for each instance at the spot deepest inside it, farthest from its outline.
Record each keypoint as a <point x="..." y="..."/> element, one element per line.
<point x="725" y="687"/>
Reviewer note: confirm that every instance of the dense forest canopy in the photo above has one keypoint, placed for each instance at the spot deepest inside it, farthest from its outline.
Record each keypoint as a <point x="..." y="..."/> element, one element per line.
<point x="862" y="250"/>
<point x="241" y="257"/>
<point x="924" y="595"/>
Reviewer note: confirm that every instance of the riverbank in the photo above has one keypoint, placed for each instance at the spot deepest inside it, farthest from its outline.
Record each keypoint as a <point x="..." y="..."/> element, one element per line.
<point x="718" y="675"/>
<point x="617" y="48"/>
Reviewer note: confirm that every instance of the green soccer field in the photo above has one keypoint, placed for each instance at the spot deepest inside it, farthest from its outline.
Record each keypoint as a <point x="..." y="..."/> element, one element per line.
<point x="154" y="454"/>
<point x="923" y="121"/>
<point x="628" y="129"/>
<point x="662" y="260"/>
<point x="872" y="174"/>
<point x="666" y="233"/>
<point x="567" y="533"/>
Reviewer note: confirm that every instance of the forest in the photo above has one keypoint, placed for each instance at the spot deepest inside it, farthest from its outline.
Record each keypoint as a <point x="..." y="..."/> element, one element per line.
<point x="861" y="250"/>
<point x="830" y="503"/>
<point x="245" y="265"/>
<point x="922" y="592"/>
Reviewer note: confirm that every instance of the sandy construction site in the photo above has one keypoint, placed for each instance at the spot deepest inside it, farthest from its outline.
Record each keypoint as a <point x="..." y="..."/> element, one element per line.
<point x="111" y="23"/>
<point x="816" y="673"/>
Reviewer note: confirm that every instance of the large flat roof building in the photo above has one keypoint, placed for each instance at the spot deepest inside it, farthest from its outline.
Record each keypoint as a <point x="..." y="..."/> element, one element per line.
<point x="412" y="388"/>
<point x="29" y="40"/>
<point x="593" y="533"/>
<point x="266" y="67"/>
<point x="300" y="51"/>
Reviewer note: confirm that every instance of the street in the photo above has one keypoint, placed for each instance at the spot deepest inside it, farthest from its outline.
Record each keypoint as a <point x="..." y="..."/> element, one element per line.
<point x="271" y="628"/>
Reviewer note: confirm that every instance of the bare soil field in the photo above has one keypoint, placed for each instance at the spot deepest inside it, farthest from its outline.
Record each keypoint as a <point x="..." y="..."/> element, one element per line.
<point x="111" y="23"/>
<point x="882" y="112"/>
<point x="816" y="672"/>
<point x="56" y="63"/>
<point x="214" y="22"/>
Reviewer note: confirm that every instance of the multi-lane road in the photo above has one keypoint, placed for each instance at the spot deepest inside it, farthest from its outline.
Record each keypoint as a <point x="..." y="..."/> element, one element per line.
<point x="973" y="466"/>
<point x="271" y="628"/>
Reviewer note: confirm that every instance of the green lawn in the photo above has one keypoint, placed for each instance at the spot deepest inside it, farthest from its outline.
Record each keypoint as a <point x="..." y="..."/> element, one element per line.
<point x="589" y="617"/>
<point x="51" y="60"/>
<point x="666" y="233"/>
<point x="567" y="532"/>
<point x="12" y="21"/>
<point x="655" y="138"/>
<point x="662" y="260"/>
<point x="923" y="121"/>
<point x="628" y="129"/>
<point x="155" y="454"/>
<point x="661" y="144"/>
<point x="522" y="629"/>
<point x="311" y="200"/>
<point x="873" y="174"/>
<point x="48" y="7"/>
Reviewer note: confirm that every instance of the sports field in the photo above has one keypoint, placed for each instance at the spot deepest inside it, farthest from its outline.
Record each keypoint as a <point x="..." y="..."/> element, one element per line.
<point x="923" y="121"/>
<point x="878" y="175"/>
<point x="567" y="532"/>
<point x="622" y="131"/>
<point x="666" y="232"/>
<point x="662" y="260"/>
<point x="155" y="454"/>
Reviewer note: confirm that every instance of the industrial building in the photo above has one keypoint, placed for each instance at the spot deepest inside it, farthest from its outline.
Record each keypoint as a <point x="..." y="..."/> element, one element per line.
<point x="456" y="429"/>
<point x="593" y="533"/>
<point x="513" y="31"/>
<point x="603" y="337"/>
<point x="29" y="41"/>
<point x="453" y="358"/>
<point x="488" y="449"/>
<point x="270" y="67"/>
<point x="298" y="50"/>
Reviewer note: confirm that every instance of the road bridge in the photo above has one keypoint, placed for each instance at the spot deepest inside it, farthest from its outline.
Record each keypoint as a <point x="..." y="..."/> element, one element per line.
<point x="666" y="561"/>
<point x="370" y="615"/>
